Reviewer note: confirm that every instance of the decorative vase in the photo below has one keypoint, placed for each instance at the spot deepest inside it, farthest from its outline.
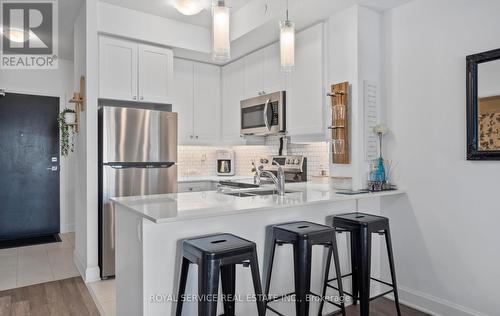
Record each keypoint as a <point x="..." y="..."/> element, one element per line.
<point x="381" y="170"/>
<point x="69" y="118"/>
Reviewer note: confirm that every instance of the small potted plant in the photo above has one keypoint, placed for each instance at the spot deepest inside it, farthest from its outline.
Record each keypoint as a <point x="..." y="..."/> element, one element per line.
<point x="69" y="116"/>
<point x="67" y="123"/>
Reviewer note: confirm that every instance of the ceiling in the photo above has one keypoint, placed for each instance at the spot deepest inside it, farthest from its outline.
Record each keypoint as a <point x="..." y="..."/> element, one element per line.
<point x="164" y="8"/>
<point x="303" y="12"/>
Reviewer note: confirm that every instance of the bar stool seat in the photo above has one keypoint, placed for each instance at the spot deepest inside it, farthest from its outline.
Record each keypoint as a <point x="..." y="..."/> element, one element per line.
<point x="303" y="235"/>
<point x="361" y="226"/>
<point x="217" y="255"/>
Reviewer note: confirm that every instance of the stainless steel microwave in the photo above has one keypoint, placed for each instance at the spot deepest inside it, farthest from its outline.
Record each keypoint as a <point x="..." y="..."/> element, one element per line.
<point x="264" y="115"/>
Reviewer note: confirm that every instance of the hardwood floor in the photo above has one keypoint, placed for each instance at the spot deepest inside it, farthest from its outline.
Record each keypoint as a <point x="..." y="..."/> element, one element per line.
<point x="63" y="297"/>
<point x="384" y="307"/>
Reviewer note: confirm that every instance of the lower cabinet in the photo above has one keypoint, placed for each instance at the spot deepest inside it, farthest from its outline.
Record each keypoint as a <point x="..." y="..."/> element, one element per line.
<point x="197" y="101"/>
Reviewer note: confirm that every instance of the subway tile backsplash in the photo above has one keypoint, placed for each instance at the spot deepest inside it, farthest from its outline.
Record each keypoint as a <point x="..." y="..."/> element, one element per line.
<point x="198" y="161"/>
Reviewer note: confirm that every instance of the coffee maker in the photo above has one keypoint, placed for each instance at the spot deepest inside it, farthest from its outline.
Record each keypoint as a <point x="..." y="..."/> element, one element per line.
<point x="225" y="163"/>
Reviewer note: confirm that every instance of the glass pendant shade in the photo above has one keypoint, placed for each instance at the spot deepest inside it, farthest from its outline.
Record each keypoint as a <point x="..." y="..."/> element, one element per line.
<point x="220" y="33"/>
<point x="188" y="7"/>
<point x="287" y="45"/>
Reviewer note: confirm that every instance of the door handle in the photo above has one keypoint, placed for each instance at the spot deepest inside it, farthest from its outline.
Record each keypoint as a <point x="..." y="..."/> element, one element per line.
<point x="53" y="168"/>
<point x="265" y="115"/>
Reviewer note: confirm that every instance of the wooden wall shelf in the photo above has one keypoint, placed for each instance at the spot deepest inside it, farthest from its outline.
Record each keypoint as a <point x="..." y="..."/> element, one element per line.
<point x="79" y="101"/>
<point x="340" y="122"/>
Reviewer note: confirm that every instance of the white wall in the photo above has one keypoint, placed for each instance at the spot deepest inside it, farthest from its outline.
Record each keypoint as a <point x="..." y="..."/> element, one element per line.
<point x="446" y="232"/>
<point x="56" y="83"/>
<point x="354" y="55"/>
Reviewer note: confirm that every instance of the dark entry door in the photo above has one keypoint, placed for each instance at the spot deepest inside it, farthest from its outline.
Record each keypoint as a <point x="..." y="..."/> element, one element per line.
<point x="29" y="166"/>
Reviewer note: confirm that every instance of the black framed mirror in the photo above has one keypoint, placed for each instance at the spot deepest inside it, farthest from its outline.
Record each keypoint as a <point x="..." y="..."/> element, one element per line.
<point x="483" y="106"/>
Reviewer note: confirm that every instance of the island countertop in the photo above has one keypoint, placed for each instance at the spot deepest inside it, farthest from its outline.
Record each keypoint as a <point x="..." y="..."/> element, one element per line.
<point x="174" y="207"/>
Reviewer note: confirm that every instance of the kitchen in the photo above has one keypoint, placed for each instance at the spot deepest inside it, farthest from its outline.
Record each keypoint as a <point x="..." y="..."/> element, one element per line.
<point x="271" y="135"/>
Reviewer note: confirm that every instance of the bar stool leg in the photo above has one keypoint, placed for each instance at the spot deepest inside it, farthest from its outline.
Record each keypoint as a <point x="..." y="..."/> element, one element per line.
<point x="208" y="287"/>
<point x="182" y="285"/>
<point x="325" y="278"/>
<point x="364" y="268"/>
<point x="388" y="243"/>
<point x="254" y="265"/>
<point x="354" y="268"/>
<point x="228" y="278"/>
<point x="302" y="257"/>
<point x="271" y="246"/>
<point x="338" y="272"/>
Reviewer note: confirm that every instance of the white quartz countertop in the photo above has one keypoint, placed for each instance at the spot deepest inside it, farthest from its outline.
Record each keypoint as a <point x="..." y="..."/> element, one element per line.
<point x="174" y="207"/>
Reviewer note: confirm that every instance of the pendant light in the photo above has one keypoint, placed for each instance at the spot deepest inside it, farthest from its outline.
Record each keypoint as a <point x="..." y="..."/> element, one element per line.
<point x="220" y="32"/>
<point x="287" y="43"/>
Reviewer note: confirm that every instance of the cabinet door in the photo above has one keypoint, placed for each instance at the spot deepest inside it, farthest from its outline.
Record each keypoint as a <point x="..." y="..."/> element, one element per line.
<point x="183" y="99"/>
<point x="155" y="74"/>
<point x="233" y="87"/>
<point x="207" y="103"/>
<point x="117" y="69"/>
<point x="305" y="102"/>
<point x="254" y="73"/>
<point x="274" y="78"/>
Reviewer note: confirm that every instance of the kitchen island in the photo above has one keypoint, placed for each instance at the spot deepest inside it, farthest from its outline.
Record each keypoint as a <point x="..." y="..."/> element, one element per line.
<point x="150" y="230"/>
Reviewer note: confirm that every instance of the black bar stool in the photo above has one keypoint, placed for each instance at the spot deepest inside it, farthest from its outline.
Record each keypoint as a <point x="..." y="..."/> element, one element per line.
<point x="361" y="227"/>
<point x="221" y="252"/>
<point x="303" y="235"/>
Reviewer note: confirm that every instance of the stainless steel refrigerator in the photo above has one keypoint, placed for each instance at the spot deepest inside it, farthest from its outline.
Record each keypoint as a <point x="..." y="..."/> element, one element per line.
<point x="137" y="156"/>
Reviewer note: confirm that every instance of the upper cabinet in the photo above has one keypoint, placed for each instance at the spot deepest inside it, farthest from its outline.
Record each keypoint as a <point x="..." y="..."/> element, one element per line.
<point x="207" y="103"/>
<point x="134" y="72"/>
<point x="197" y="100"/>
<point x="183" y="100"/>
<point x="117" y="69"/>
<point x="263" y="72"/>
<point x="233" y="91"/>
<point x="306" y="111"/>
<point x="155" y="74"/>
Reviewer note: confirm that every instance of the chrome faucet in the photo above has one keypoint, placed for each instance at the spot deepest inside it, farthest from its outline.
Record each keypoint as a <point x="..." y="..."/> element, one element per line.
<point x="279" y="181"/>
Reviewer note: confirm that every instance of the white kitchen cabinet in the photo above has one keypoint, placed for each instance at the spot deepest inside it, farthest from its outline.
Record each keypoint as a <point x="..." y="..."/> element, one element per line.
<point x="274" y="79"/>
<point x="263" y="72"/>
<point x="117" y="69"/>
<point x="305" y="105"/>
<point x="134" y="72"/>
<point x="183" y="99"/>
<point x="155" y="74"/>
<point x="254" y="73"/>
<point x="233" y="91"/>
<point x="207" y="103"/>
<point x="197" y="101"/>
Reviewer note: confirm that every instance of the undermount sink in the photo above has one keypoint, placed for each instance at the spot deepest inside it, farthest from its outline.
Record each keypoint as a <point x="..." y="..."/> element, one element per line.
<point x="255" y="193"/>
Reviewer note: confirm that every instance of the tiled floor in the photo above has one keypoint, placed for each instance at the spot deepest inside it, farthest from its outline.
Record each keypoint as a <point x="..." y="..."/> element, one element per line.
<point x="104" y="295"/>
<point x="37" y="264"/>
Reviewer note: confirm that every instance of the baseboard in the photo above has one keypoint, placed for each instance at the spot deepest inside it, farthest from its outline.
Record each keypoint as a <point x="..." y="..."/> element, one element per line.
<point x="432" y="305"/>
<point x="68" y="228"/>
<point x="89" y="274"/>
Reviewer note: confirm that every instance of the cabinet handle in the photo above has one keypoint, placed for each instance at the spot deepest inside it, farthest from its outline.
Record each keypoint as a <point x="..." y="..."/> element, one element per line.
<point x="134" y="97"/>
<point x="141" y="98"/>
<point x="196" y="137"/>
<point x="190" y="136"/>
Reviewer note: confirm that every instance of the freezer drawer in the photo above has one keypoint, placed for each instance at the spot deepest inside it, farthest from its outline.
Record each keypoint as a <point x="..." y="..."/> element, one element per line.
<point x="119" y="182"/>
<point x="138" y="135"/>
